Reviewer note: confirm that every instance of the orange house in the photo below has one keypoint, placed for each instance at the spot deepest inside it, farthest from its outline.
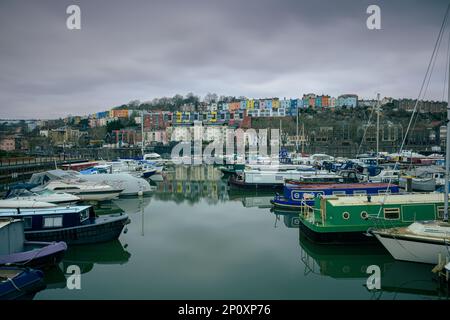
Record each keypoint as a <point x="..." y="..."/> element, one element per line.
<point x="119" y="113"/>
<point x="234" y="106"/>
<point x="325" y="101"/>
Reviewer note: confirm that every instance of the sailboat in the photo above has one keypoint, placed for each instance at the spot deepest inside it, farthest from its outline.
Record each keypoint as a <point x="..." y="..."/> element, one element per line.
<point x="423" y="241"/>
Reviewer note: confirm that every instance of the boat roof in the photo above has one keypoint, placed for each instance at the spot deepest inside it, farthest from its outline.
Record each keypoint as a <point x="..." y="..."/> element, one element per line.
<point x="6" y="221"/>
<point x="410" y="198"/>
<point x="42" y="211"/>
<point x="345" y="186"/>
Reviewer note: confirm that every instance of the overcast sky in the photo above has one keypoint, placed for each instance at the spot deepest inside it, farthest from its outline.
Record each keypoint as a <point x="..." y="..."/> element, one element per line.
<point x="140" y="49"/>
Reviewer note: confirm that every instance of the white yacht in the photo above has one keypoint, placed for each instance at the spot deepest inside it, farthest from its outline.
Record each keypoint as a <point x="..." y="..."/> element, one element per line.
<point x="126" y="183"/>
<point x="25" y="204"/>
<point x="44" y="195"/>
<point x="419" y="242"/>
<point x="84" y="191"/>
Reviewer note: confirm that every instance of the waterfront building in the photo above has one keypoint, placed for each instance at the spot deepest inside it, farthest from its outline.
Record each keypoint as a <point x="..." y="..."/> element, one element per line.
<point x="122" y="113"/>
<point x="348" y="100"/>
<point x="275" y="103"/>
<point x="318" y="102"/>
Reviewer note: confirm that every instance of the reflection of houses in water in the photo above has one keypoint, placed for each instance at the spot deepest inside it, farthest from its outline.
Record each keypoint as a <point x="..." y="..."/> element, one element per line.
<point x="192" y="183"/>
<point x="251" y="198"/>
<point x="197" y="173"/>
<point x="351" y="262"/>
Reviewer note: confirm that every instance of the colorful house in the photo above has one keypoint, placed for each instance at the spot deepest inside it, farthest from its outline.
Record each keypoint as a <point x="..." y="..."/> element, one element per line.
<point x="122" y="113"/>
<point x="233" y="106"/>
<point x="275" y="103"/>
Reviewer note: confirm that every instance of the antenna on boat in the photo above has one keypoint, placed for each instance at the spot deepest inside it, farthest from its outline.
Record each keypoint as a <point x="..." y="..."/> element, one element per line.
<point x="378" y="125"/>
<point x="447" y="151"/>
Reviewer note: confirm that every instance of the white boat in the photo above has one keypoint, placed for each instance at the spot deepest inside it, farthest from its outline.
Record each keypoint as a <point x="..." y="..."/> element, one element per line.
<point x="128" y="184"/>
<point x="44" y="195"/>
<point x="420" y="242"/>
<point x="84" y="191"/>
<point x="418" y="184"/>
<point x="386" y="175"/>
<point x="25" y="204"/>
<point x="272" y="179"/>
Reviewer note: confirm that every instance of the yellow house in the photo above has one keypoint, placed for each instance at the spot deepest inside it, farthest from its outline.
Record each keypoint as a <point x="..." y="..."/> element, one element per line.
<point x="179" y="116"/>
<point x="275" y="104"/>
<point x="250" y="104"/>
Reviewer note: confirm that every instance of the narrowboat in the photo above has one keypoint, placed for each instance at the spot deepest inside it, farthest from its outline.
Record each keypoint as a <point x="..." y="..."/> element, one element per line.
<point x="294" y="198"/>
<point x="346" y="176"/>
<point x="73" y="225"/>
<point x="335" y="219"/>
<point x="14" y="250"/>
<point x="20" y="283"/>
<point x="257" y="179"/>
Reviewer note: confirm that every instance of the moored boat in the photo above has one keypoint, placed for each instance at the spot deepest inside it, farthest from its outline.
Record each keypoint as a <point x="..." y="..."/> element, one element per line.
<point x="14" y="250"/>
<point x="348" y="219"/>
<point x="423" y="242"/>
<point x="294" y="198"/>
<point x="73" y="225"/>
<point x="19" y="283"/>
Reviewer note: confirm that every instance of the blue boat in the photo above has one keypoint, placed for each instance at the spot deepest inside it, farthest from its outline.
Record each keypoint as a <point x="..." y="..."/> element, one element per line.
<point x="294" y="198"/>
<point x="18" y="283"/>
<point x="73" y="225"/>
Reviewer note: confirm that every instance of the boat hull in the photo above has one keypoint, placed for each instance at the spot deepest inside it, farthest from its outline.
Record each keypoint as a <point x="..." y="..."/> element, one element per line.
<point x="98" y="196"/>
<point x="26" y="283"/>
<point x="354" y="237"/>
<point x="413" y="250"/>
<point x="43" y="255"/>
<point x="105" y="228"/>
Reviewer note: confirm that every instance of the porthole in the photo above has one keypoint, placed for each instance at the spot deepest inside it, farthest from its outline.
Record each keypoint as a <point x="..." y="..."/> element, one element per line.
<point x="346" y="215"/>
<point x="364" y="215"/>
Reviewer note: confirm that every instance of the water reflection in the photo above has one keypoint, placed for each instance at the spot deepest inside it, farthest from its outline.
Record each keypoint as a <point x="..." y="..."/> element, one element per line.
<point x="398" y="278"/>
<point x="86" y="257"/>
<point x="290" y="218"/>
<point x="203" y="239"/>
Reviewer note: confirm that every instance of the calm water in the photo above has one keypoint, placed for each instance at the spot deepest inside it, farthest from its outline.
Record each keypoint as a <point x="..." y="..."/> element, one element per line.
<point x="195" y="239"/>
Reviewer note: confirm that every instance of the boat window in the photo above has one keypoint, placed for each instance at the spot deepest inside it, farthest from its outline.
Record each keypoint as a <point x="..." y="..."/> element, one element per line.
<point x="53" y="221"/>
<point x="440" y="211"/>
<point x="27" y="223"/>
<point x="84" y="215"/>
<point x="346" y="215"/>
<point x="391" y="213"/>
<point x="359" y="192"/>
<point x="364" y="215"/>
<point x="338" y="193"/>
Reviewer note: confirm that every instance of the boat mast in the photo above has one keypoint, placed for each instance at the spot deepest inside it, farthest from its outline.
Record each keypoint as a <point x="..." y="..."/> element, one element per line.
<point x="447" y="152"/>
<point x="296" y="140"/>
<point x="378" y="124"/>
<point x="142" y="134"/>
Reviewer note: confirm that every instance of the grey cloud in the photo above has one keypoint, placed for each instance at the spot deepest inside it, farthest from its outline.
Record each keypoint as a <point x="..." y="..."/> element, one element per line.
<point x="144" y="49"/>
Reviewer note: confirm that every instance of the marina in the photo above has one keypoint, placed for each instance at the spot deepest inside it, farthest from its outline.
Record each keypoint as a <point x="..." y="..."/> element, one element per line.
<point x="160" y="248"/>
<point x="240" y="152"/>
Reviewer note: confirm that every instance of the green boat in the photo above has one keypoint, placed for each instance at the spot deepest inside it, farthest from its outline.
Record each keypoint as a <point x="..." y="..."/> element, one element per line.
<point x="335" y="219"/>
